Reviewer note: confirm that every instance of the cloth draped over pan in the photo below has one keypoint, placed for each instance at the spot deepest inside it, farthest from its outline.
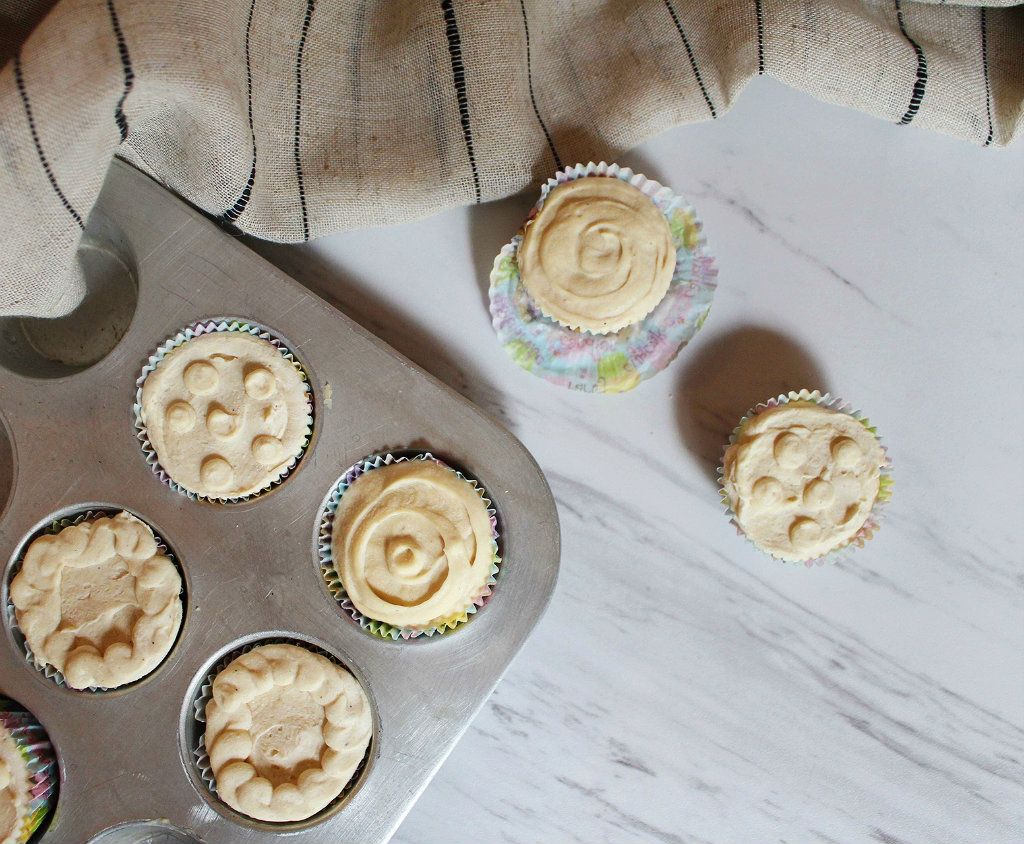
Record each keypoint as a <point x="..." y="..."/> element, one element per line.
<point x="290" y="119"/>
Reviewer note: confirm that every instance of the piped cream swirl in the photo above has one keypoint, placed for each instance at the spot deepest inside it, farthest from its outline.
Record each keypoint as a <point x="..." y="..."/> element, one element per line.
<point x="598" y="256"/>
<point x="412" y="543"/>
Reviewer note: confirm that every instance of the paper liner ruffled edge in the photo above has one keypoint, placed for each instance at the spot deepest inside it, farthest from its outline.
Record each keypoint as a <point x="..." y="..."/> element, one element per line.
<point x="35" y="748"/>
<point x="333" y="580"/>
<point x="52" y="529"/>
<point x="198" y="329"/>
<point x="658" y="193"/>
<point x="204" y="694"/>
<point x="885" y="480"/>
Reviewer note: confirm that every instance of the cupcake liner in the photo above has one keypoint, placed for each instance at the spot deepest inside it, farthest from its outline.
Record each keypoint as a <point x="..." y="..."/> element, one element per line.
<point x="53" y="528"/>
<point x="198" y="329"/>
<point x="333" y="580"/>
<point x="885" y="481"/>
<point x="616" y="362"/>
<point x="35" y="749"/>
<point x="204" y="695"/>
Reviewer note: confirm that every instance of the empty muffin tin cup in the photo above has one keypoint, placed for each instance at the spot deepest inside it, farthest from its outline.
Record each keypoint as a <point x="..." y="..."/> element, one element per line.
<point x="885" y="481"/>
<point x="199" y="329"/>
<point x="333" y="581"/>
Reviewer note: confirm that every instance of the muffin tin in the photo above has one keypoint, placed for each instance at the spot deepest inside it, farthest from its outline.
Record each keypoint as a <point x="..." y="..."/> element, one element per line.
<point x="67" y="444"/>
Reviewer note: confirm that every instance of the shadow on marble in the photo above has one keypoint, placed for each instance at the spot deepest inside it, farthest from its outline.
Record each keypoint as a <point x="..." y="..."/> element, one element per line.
<point x="727" y="375"/>
<point x="359" y="303"/>
<point x="491" y="226"/>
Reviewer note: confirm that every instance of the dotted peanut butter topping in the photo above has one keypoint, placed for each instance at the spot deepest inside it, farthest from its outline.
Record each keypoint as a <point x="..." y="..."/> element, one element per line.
<point x="14" y="790"/>
<point x="412" y="543"/>
<point x="285" y="731"/>
<point x="98" y="602"/>
<point x="598" y="255"/>
<point x="226" y="413"/>
<point x="802" y="479"/>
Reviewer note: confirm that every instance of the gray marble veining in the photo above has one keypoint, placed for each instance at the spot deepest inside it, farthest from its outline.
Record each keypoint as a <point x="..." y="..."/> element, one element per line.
<point x="682" y="687"/>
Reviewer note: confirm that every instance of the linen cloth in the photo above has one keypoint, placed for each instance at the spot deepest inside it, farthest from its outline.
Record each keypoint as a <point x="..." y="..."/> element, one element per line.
<point x="290" y="119"/>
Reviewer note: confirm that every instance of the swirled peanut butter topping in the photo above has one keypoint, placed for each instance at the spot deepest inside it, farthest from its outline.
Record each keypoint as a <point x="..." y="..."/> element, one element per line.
<point x="98" y="601"/>
<point x="226" y="413"/>
<point x="598" y="256"/>
<point x="412" y="543"/>
<point x="14" y="790"/>
<point x="802" y="479"/>
<point x="285" y="731"/>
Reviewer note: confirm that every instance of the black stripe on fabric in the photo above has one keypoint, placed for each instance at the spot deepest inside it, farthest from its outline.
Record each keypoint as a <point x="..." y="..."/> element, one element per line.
<point x="533" y="99"/>
<point x="988" y="85"/>
<point x="298" y="115"/>
<point x="759" y="11"/>
<point x="129" y="73"/>
<point x="235" y="211"/>
<point x="922" y="70"/>
<point x="693" y="61"/>
<point x="20" y="82"/>
<point x="451" y="27"/>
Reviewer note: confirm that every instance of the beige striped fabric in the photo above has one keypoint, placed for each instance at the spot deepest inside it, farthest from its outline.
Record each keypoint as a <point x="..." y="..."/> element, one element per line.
<point x="290" y="119"/>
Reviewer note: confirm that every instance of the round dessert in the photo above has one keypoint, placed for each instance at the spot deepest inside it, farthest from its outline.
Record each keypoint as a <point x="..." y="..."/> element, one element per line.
<point x="28" y="774"/>
<point x="226" y="414"/>
<point x="412" y="544"/>
<point x="286" y="729"/>
<point x="802" y="479"/>
<point x="98" y="602"/>
<point x="14" y="790"/>
<point x="598" y="256"/>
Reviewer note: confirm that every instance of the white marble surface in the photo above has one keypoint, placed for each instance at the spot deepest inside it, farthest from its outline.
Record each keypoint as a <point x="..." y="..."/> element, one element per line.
<point x="682" y="688"/>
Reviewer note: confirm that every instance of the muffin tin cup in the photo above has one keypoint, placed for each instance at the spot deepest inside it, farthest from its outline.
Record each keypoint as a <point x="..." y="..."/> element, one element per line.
<point x="35" y="749"/>
<point x="198" y="329"/>
<point x="618" y="361"/>
<point x="885" y="482"/>
<point x="52" y="529"/>
<point x="333" y="580"/>
<point x="204" y="695"/>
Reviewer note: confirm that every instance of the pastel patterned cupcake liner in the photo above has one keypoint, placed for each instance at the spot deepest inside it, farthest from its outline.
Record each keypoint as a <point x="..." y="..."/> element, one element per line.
<point x="52" y="529"/>
<point x="204" y="694"/>
<point x="885" y="480"/>
<point x="40" y="759"/>
<point x="616" y="362"/>
<point x="198" y="329"/>
<point x="333" y="579"/>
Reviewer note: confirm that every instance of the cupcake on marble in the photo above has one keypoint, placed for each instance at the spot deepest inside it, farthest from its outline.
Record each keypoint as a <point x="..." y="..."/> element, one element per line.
<point x="98" y="603"/>
<point x="286" y="730"/>
<point x="598" y="256"/>
<point x="414" y="545"/>
<point x="226" y="414"/>
<point x="607" y="280"/>
<point x="803" y="477"/>
<point x="28" y="774"/>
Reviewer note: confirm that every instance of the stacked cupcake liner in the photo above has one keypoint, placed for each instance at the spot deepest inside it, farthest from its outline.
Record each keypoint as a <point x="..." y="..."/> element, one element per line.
<point x="35" y="749"/>
<point x="52" y="529"/>
<point x="619" y="361"/>
<point x="197" y="330"/>
<point x="204" y="695"/>
<point x="333" y="580"/>
<point x="885" y="480"/>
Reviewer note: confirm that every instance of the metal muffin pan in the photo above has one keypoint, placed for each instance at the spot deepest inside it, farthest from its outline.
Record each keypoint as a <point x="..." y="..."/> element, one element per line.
<point x="67" y="443"/>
